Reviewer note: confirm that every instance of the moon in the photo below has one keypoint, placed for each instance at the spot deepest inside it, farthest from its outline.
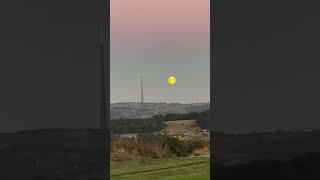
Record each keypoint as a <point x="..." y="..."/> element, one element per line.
<point x="172" y="80"/>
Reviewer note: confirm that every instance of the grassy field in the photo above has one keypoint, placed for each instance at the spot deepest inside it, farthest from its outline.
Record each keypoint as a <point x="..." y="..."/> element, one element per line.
<point x="191" y="168"/>
<point x="182" y="126"/>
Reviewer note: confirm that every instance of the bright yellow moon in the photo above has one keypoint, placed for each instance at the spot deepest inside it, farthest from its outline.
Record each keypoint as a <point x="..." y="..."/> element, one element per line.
<point x="172" y="80"/>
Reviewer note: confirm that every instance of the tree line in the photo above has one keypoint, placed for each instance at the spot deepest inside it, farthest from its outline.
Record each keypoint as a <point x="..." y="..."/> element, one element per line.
<point x="156" y="122"/>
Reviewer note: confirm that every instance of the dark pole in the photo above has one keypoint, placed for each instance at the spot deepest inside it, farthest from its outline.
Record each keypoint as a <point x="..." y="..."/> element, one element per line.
<point x="104" y="45"/>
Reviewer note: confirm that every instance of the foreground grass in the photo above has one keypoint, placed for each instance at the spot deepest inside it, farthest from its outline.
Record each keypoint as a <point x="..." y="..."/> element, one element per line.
<point x="191" y="168"/>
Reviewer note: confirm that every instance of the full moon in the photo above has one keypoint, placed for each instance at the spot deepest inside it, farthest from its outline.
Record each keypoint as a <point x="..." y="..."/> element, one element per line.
<point x="172" y="80"/>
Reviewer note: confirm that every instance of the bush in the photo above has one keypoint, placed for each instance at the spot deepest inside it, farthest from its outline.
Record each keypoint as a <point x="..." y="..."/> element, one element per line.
<point x="156" y="146"/>
<point x="181" y="148"/>
<point x="175" y="145"/>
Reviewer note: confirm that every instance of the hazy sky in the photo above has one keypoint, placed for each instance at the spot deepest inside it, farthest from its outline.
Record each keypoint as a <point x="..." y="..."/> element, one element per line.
<point x="160" y="38"/>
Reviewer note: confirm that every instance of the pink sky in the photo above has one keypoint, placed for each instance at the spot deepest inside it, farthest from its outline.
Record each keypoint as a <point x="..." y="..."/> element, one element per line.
<point x="160" y="38"/>
<point x="158" y="19"/>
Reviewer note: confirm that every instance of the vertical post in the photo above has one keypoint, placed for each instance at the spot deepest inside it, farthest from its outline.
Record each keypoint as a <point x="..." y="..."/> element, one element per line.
<point x="104" y="45"/>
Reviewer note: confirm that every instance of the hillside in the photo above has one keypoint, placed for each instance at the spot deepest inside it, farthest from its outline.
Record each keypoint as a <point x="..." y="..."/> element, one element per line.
<point x="145" y="110"/>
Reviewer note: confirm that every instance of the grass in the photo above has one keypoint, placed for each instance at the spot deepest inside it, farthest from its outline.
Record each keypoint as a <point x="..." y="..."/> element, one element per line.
<point x="190" y="168"/>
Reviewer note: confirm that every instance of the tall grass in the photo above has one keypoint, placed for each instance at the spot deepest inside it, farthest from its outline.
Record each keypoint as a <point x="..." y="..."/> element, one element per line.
<point x="156" y="147"/>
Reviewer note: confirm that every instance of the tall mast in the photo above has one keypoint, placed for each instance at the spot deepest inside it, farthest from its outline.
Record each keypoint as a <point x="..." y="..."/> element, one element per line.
<point x="142" y="100"/>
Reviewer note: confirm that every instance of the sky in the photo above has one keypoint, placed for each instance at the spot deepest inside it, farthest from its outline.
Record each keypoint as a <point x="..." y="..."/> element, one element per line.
<point x="160" y="38"/>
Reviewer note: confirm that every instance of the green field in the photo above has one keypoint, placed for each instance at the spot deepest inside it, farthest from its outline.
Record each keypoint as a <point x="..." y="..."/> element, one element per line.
<point x="192" y="168"/>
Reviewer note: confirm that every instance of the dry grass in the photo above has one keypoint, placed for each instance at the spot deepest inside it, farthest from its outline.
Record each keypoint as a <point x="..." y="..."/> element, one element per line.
<point x="158" y="148"/>
<point x="182" y="126"/>
<point x="205" y="150"/>
<point x="155" y="149"/>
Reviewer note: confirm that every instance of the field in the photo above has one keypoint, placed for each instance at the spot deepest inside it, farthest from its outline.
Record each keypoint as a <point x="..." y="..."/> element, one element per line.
<point x="181" y="158"/>
<point x="182" y="126"/>
<point x="187" y="129"/>
<point x="190" y="168"/>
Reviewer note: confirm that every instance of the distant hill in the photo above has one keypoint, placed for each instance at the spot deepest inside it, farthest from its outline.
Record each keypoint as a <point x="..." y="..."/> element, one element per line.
<point x="138" y="110"/>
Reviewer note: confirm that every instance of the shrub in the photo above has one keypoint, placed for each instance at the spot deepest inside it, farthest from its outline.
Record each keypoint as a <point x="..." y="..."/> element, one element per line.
<point x="175" y="145"/>
<point x="180" y="147"/>
<point x="156" y="146"/>
<point x="141" y="147"/>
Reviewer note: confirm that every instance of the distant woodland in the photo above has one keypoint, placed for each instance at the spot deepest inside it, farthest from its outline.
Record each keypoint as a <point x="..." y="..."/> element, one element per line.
<point x="156" y="123"/>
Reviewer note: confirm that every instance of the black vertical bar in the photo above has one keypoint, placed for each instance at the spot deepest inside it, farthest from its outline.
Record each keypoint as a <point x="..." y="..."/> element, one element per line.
<point x="105" y="80"/>
<point x="212" y="83"/>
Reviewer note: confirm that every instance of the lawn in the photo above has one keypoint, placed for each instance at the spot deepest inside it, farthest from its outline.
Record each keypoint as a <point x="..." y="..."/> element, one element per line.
<point x="191" y="168"/>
